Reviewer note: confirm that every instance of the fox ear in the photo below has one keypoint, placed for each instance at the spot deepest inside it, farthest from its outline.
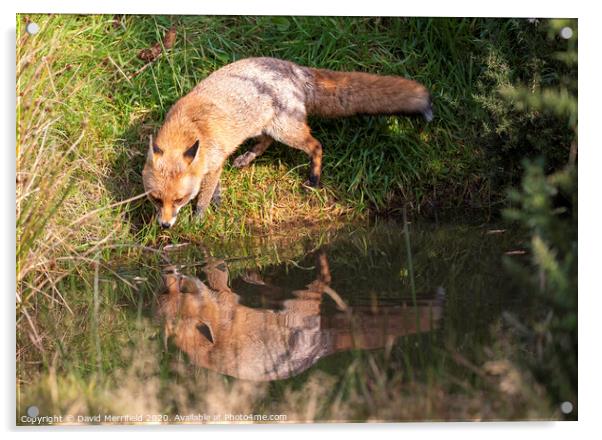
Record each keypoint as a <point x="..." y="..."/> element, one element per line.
<point x="153" y="150"/>
<point x="171" y="283"/>
<point x="205" y="330"/>
<point x="190" y="154"/>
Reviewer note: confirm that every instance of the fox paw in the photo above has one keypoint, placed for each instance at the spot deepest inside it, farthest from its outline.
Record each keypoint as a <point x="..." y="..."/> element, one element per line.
<point x="309" y="185"/>
<point x="199" y="211"/>
<point x="216" y="198"/>
<point x="244" y="160"/>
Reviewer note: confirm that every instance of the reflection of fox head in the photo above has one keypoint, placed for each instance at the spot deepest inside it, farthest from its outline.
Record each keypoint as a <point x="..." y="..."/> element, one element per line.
<point x="191" y="315"/>
<point x="174" y="166"/>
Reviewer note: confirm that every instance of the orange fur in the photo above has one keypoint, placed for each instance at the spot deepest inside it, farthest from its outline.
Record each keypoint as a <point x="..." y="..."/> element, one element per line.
<point x="342" y="94"/>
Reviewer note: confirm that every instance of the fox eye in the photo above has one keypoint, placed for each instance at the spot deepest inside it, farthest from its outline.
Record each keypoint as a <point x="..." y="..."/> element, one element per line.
<point x="179" y="201"/>
<point x="156" y="200"/>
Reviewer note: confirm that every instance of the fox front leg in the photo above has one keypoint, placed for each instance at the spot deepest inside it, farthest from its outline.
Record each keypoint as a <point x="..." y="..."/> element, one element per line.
<point x="216" y="198"/>
<point x="210" y="192"/>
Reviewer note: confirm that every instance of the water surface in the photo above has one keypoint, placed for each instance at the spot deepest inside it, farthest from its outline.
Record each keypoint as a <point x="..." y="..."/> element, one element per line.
<point x="273" y="309"/>
<point x="370" y="314"/>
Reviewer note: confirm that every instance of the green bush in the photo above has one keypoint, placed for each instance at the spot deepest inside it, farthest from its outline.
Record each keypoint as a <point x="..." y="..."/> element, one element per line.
<point x="547" y="206"/>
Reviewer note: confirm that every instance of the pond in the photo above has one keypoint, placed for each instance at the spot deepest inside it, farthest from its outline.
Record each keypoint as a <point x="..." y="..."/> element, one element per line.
<point x="380" y="323"/>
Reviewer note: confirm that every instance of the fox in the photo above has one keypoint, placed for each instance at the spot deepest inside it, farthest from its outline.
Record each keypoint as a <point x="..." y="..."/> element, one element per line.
<point x="207" y="322"/>
<point x="266" y="99"/>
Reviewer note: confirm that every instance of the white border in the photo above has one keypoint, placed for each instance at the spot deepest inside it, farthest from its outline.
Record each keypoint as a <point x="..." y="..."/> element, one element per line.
<point x="589" y="243"/>
<point x="507" y="8"/>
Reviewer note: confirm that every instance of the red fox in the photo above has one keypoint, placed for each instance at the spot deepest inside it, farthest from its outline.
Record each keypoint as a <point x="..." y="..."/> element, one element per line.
<point x="264" y="98"/>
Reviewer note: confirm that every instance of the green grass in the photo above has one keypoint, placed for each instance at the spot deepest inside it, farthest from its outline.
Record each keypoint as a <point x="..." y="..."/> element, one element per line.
<point x="84" y="122"/>
<point x="84" y="119"/>
<point x="371" y="163"/>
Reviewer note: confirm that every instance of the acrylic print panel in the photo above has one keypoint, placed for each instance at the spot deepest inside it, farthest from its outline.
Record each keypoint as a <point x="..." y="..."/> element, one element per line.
<point x="411" y="257"/>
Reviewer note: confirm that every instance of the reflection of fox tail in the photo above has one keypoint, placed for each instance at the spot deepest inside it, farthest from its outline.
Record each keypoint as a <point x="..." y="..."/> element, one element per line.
<point x="338" y="94"/>
<point x="368" y="330"/>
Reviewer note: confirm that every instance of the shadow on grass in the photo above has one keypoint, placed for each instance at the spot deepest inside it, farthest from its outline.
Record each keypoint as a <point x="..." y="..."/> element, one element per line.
<point x="124" y="179"/>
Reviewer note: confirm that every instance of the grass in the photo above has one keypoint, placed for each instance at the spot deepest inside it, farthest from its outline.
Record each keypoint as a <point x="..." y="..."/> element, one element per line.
<point x="87" y="104"/>
<point x="80" y="71"/>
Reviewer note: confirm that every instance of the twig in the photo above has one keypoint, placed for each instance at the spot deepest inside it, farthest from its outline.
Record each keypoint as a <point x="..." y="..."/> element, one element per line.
<point x="139" y="71"/>
<point x="119" y="68"/>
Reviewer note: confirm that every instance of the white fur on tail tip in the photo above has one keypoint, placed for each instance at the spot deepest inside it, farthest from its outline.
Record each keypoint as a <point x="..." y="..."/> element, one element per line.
<point x="428" y="113"/>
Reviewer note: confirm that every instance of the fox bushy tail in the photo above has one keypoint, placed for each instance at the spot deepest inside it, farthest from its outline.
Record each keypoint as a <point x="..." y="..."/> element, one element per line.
<point x="339" y="94"/>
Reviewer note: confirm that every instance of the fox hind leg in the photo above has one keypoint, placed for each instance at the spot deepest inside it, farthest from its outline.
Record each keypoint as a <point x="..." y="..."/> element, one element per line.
<point x="300" y="138"/>
<point x="257" y="150"/>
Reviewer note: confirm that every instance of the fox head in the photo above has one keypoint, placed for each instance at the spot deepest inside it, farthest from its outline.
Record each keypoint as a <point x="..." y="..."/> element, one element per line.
<point x="189" y="310"/>
<point x="173" y="170"/>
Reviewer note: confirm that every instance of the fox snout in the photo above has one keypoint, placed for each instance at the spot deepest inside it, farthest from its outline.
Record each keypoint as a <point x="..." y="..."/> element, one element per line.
<point x="166" y="217"/>
<point x="167" y="225"/>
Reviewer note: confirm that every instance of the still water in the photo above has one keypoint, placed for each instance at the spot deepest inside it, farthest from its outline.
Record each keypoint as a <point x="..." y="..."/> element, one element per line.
<point x="355" y="323"/>
<point x="274" y="308"/>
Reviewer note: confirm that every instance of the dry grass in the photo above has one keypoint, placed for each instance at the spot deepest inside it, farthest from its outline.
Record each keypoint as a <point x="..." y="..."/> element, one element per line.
<point x="361" y="394"/>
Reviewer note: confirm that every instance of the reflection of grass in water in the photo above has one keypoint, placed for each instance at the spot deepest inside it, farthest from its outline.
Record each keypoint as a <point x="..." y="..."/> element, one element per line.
<point x="440" y="375"/>
<point x="406" y="239"/>
<point x="367" y="390"/>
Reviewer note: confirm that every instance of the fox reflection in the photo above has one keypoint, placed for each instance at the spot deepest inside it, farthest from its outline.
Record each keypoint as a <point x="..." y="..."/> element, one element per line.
<point x="207" y="322"/>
